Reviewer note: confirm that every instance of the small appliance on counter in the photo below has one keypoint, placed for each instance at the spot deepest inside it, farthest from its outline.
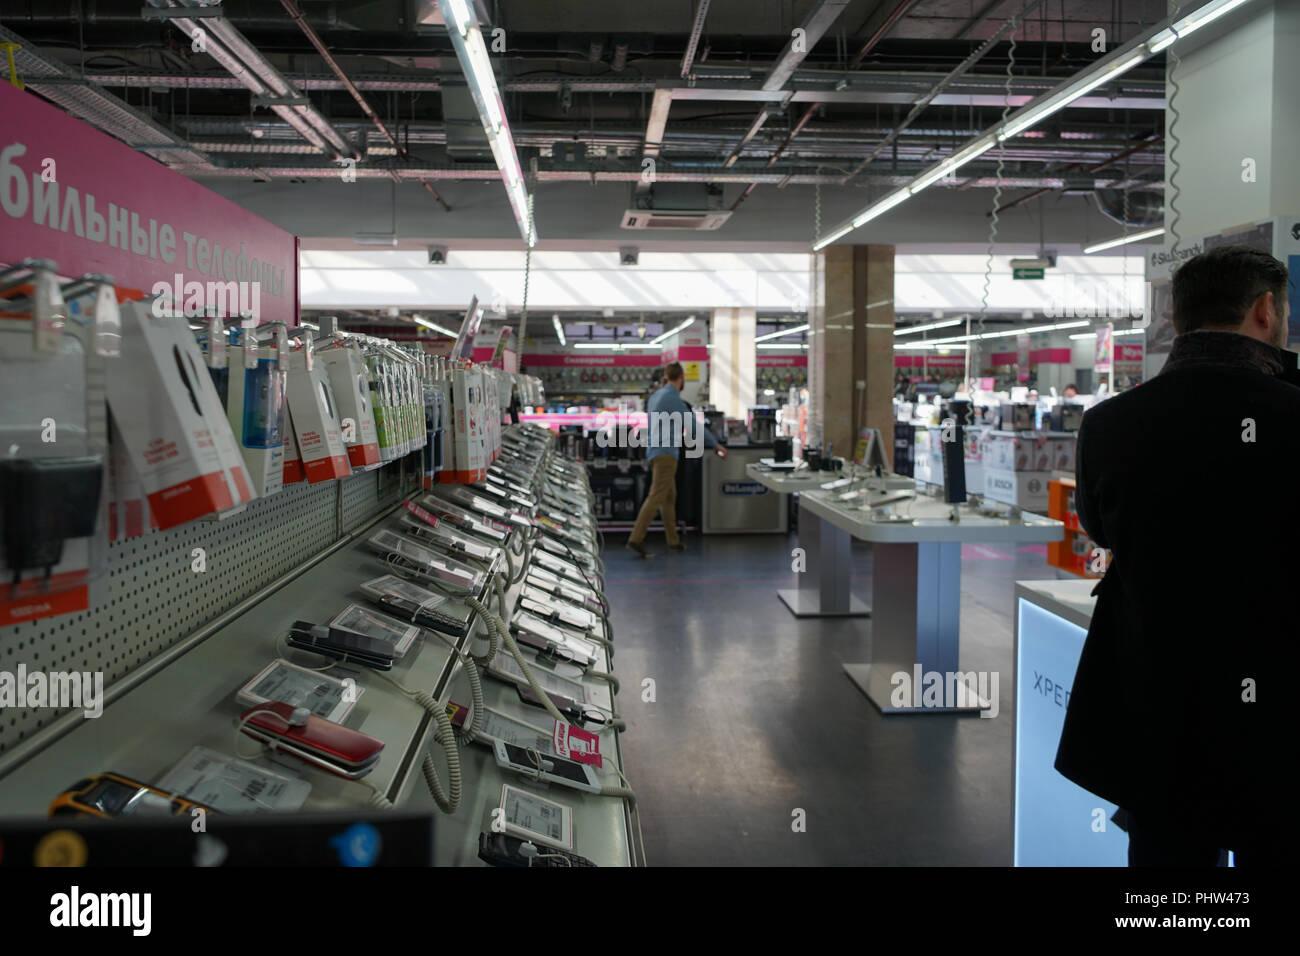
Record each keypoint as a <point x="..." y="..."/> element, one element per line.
<point x="782" y="448"/>
<point x="715" y="420"/>
<point x="1018" y="416"/>
<point x="1066" y="417"/>
<point x="737" y="432"/>
<point x="762" y="424"/>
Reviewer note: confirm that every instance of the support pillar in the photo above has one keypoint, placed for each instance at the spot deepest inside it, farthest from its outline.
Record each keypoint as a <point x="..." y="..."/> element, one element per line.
<point x="851" y="346"/>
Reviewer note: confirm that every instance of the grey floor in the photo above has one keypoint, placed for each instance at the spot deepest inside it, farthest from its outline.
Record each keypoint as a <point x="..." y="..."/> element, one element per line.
<point x="753" y="718"/>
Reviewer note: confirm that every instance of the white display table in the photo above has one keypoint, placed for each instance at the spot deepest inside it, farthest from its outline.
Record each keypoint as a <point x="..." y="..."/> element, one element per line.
<point x="823" y="589"/>
<point x="916" y="585"/>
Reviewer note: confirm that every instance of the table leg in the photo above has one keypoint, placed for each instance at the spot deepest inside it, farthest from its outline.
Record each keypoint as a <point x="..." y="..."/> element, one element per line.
<point x="915" y="628"/>
<point x="824" y="586"/>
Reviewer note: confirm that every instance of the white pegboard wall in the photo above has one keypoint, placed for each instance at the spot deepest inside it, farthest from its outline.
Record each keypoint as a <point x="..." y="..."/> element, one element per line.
<point x="156" y="598"/>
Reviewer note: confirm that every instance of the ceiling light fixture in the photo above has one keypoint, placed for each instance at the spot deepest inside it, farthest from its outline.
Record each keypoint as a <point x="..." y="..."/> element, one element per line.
<point x="1124" y="240"/>
<point x="1103" y="71"/>
<point x="467" y="38"/>
<point x="781" y="333"/>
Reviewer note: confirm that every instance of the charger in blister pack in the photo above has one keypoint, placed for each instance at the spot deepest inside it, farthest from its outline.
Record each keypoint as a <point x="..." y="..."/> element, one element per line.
<point x="349" y="379"/>
<point x="45" y="502"/>
<point x="314" y="409"/>
<point x="255" y="407"/>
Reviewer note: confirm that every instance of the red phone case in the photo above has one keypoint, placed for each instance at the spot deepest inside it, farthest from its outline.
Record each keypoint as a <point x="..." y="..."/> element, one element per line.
<point x="348" y="748"/>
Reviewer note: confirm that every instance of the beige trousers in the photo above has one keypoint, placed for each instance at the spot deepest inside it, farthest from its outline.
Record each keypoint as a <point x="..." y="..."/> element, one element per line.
<point x="662" y="497"/>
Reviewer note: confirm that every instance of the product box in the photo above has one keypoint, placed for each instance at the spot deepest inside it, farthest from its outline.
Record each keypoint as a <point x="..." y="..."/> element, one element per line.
<point x="293" y="471"/>
<point x="1027" y="490"/>
<point x="467" y="413"/>
<point x="171" y="420"/>
<point x="346" y="368"/>
<point x="314" y="412"/>
<point x="1062" y="454"/>
<point x="255" y="407"/>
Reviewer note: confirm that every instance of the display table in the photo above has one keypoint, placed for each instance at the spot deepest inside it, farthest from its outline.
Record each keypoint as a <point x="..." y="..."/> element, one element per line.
<point x="732" y="501"/>
<point x="1054" y="822"/>
<point x="823" y="589"/>
<point x="916" y="587"/>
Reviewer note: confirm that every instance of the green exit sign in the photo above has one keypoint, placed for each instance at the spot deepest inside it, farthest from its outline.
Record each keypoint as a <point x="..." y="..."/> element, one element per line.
<point x="1026" y="272"/>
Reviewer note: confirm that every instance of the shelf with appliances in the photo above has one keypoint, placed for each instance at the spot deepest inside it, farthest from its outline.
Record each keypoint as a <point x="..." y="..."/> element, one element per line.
<point x="1075" y="551"/>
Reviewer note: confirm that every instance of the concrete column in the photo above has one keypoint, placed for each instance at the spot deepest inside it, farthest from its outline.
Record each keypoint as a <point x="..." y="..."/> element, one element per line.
<point x="851" y="346"/>
<point x="731" y="361"/>
<point x="1237" y="133"/>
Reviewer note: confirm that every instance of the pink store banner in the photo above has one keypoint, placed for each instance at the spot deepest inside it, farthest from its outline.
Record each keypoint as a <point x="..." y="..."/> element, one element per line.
<point x="93" y="204"/>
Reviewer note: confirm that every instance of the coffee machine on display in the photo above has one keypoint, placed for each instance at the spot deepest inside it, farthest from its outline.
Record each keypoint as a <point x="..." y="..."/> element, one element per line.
<point x="762" y="425"/>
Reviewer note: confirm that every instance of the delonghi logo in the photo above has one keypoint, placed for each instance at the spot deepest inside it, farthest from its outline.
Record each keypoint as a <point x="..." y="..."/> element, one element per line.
<point x="743" y="488"/>
<point x="1002" y="483"/>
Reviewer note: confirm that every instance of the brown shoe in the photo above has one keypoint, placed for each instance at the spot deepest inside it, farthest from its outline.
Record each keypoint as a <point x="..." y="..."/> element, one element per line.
<point x="679" y="546"/>
<point x="639" y="548"/>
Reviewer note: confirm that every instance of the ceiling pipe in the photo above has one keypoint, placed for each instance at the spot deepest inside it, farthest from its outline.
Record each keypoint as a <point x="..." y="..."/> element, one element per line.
<point x="920" y="106"/>
<point x="227" y="46"/>
<point x="1148" y="143"/>
<point x="298" y="17"/>
<point x="890" y="21"/>
<point x="693" y="41"/>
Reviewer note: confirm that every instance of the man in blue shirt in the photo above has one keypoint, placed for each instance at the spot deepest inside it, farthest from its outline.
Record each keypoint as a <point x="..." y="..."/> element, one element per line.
<point x="670" y="426"/>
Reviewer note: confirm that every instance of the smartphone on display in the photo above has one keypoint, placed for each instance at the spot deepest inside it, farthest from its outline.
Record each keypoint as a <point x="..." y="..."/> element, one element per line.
<point x="342" y="644"/>
<point x="529" y="623"/>
<point x="504" y="666"/>
<point x="544" y="606"/>
<point x="447" y="572"/>
<point x="465" y="521"/>
<point x="399" y="635"/>
<point x="542" y="580"/>
<point x="546" y="767"/>
<point x="532" y="817"/>
<point x="109" y="795"/>
<point x="498" y="726"/>
<point x="445" y="540"/>
<point x="321" y="743"/>
<point x="414" y="603"/>
<point x="324" y="695"/>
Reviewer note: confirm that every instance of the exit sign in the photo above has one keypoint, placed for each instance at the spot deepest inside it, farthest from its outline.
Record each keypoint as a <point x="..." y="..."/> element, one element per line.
<point x="1027" y="272"/>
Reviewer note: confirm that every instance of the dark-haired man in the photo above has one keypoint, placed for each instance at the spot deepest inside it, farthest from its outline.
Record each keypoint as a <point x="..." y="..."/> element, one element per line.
<point x="1179" y="709"/>
<point x="670" y="425"/>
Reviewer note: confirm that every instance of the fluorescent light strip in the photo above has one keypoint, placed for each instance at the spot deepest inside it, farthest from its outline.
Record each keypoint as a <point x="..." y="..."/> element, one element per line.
<point x="913" y="329"/>
<point x="471" y="51"/>
<point x="559" y="329"/>
<point x="785" y="348"/>
<point x="781" y="333"/>
<point x="1093" y="335"/>
<point x="671" y="332"/>
<point x="1124" y="240"/>
<point x="1033" y="113"/>
<point x="1030" y="330"/>
<point x="437" y="328"/>
<point x="926" y="347"/>
<point x="614" y="346"/>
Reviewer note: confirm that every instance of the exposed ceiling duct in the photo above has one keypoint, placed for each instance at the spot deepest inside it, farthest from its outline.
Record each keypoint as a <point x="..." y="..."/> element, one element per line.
<point x="220" y="40"/>
<point x="1134" y="207"/>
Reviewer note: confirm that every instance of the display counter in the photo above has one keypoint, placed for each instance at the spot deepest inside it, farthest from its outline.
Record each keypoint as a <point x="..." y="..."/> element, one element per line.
<point x="1054" y="822"/>
<point x="733" y="501"/>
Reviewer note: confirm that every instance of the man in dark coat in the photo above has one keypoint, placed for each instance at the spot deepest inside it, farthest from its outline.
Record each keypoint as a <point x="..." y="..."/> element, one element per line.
<point x="1179" y="712"/>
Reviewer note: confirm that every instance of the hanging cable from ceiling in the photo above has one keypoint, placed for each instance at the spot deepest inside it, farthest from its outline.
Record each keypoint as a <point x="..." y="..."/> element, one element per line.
<point x="1171" y="203"/>
<point x="997" y="199"/>
<point x="528" y="251"/>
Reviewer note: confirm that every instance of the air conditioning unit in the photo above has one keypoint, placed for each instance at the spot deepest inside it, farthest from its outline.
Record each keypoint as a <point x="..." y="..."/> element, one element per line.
<point x="674" y="218"/>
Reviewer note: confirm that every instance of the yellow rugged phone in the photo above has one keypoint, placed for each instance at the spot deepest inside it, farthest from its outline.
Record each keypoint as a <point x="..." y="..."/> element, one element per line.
<point x="109" y="795"/>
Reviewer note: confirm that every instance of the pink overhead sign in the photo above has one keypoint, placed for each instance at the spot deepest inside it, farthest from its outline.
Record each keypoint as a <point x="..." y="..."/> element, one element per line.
<point x="93" y="204"/>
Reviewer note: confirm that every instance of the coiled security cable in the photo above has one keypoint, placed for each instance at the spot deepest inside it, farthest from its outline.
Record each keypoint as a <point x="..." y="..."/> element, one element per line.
<point x="997" y="185"/>
<point x="448" y="800"/>
<point x="1171" y="133"/>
